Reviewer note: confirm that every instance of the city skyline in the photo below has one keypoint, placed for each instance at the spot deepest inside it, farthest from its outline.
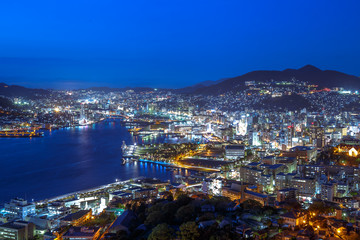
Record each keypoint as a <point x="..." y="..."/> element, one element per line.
<point x="178" y="120"/>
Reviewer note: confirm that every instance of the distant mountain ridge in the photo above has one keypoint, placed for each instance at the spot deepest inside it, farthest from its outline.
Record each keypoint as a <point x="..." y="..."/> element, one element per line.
<point x="308" y="73"/>
<point x="199" y="85"/>
<point x="19" y="91"/>
<point x="109" y="89"/>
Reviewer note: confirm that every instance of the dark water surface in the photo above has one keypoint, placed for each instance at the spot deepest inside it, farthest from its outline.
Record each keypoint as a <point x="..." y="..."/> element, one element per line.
<point x="68" y="160"/>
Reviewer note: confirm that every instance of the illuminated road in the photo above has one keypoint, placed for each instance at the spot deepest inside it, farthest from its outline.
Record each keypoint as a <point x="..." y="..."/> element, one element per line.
<point x="179" y="165"/>
<point x="197" y="168"/>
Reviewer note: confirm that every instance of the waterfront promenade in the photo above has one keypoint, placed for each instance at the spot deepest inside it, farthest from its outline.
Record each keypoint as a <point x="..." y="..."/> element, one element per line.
<point x="105" y="187"/>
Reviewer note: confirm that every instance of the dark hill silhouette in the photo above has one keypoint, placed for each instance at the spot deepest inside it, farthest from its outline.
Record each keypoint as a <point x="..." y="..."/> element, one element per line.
<point x="6" y="103"/>
<point x="289" y="102"/>
<point x="108" y="89"/>
<point x="200" y="85"/>
<point x="308" y="73"/>
<point x="19" y="91"/>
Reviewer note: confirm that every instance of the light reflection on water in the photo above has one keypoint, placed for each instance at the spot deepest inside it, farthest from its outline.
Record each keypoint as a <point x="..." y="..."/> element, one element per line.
<point x="69" y="160"/>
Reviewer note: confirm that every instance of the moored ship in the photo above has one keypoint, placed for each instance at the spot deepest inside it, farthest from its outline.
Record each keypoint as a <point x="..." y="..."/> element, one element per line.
<point x="20" y="133"/>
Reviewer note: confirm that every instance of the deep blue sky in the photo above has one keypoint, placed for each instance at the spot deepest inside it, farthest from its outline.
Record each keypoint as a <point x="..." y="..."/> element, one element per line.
<point x="171" y="43"/>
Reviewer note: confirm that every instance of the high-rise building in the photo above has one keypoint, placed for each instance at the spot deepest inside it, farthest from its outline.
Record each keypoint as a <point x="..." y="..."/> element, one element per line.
<point x="234" y="151"/>
<point x="18" y="230"/>
<point x="317" y="136"/>
<point x="250" y="175"/>
<point x="327" y="191"/>
<point x="241" y="126"/>
<point x="256" y="139"/>
<point x="19" y="208"/>
<point x="306" y="187"/>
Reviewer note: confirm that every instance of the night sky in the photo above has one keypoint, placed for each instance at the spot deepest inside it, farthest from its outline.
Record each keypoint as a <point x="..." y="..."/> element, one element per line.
<point x="172" y="43"/>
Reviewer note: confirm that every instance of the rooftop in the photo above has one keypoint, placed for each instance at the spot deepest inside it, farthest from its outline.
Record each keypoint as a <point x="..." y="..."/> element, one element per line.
<point x="237" y="147"/>
<point x="256" y="194"/>
<point x="301" y="148"/>
<point x="75" y="216"/>
<point x="81" y="232"/>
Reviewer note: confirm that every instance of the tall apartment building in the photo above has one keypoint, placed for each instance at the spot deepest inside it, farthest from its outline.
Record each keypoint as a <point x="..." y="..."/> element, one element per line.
<point x="306" y="187"/>
<point x="317" y="136"/>
<point x="19" y="208"/>
<point x="328" y="191"/>
<point x="234" y="151"/>
<point x="250" y="175"/>
<point x="18" y="230"/>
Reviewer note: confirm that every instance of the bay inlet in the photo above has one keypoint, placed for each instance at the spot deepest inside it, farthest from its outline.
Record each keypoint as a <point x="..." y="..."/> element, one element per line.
<point x="70" y="160"/>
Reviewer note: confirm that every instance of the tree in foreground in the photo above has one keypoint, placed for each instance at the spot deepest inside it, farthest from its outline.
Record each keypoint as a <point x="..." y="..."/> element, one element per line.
<point x="189" y="231"/>
<point x="154" y="218"/>
<point x="161" y="232"/>
<point x="319" y="207"/>
<point x="185" y="213"/>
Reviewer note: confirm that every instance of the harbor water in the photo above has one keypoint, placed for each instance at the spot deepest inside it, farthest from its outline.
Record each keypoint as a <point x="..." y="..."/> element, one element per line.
<point x="69" y="160"/>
